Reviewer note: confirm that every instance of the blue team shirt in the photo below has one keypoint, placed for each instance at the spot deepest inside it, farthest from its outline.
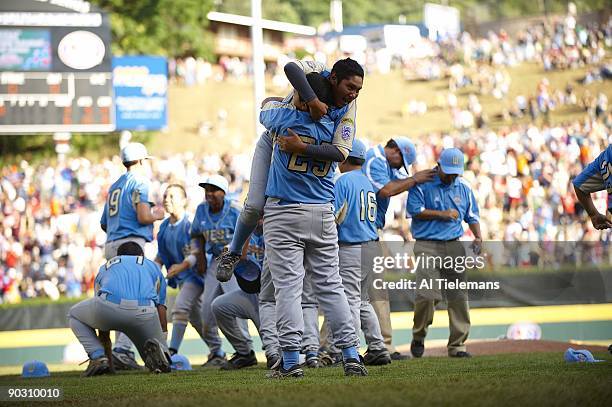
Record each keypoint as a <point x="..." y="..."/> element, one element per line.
<point x="132" y="278"/>
<point x="440" y="197"/>
<point x="380" y="173"/>
<point x="356" y="198"/>
<point x="119" y="215"/>
<point x="294" y="178"/>
<point x="256" y="248"/>
<point x="216" y="228"/>
<point x="597" y="176"/>
<point x="173" y="245"/>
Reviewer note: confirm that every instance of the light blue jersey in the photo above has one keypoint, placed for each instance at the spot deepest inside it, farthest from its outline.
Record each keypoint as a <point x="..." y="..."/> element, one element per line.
<point x="597" y="176"/>
<point x="256" y="248"/>
<point x="294" y="178"/>
<point x="216" y="228"/>
<point x="380" y="173"/>
<point x="441" y="197"/>
<point x="173" y="245"/>
<point x="119" y="216"/>
<point x="131" y="278"/>
<point x="355" y="203"/>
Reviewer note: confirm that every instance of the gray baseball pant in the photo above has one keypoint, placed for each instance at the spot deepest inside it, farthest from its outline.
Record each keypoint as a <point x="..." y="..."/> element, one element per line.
<point x="302" y="237"/>
<point x="212" y="289"/>
<point x="230" y="306"/>
<point x="188" y="308"/>
<point x="139" y="323"/>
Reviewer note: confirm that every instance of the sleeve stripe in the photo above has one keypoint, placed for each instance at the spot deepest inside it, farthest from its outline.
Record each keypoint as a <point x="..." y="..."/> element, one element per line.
<point x="369" y="174"/>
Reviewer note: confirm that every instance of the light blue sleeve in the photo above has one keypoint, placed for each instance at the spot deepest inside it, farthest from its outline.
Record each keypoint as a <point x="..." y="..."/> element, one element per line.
<point x="472" y="214"/>
<point x="416" y="201"/>
<point x="590" y="179"/>
<point x="340" y="194"/>
<point x="143" y="192"/>
<point x="377" y="172"/>
<point x="195" y="229"/>
<point x="275" y="114"/>
<point x="162" y="252"/>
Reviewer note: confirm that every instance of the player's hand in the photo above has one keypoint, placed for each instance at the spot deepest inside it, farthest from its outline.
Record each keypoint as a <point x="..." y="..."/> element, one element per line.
<point x="600" y="222"/>
<point x="174" y="270"/>
<point x="158" y="212"/>
<point x="424" y="176"/>
<point x="451" y="214"/>
<point x="317" y="109"/>
<point x="291" y="143"/>
<point x="477" y="246"/>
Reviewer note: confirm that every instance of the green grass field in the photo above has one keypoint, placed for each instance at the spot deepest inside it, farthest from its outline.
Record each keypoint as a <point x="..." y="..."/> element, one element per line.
<point x="509" y="380"/>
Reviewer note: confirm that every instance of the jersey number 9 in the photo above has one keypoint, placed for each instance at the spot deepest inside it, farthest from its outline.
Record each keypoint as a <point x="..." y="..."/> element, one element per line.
<point x="297" y="162"/>
<point x="113" y="202"/>
<point x="370" y="211"/>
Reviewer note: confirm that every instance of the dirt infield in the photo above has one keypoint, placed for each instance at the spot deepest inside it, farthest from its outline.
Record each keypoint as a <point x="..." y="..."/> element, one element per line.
<point x="497" y="347"/>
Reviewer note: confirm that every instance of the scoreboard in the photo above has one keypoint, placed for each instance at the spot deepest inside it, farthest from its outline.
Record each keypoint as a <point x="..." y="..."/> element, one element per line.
<point x="55" y="67"/>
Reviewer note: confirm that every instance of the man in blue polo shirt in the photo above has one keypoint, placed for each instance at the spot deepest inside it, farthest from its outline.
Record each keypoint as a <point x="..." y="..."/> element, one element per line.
<point x="438" y="209"/>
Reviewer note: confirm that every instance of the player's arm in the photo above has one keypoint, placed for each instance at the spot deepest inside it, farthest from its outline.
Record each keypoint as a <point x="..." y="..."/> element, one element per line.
<point x="163" y="317"/>
<point x="588" y="181"/>
<point x="416" y="209"/>
<point x="296" y="74"/>
<point x="161" y="304"/>
<point x="598" y="220"/>
<point x="396" y="187"/>
<point x="147" y="215"/>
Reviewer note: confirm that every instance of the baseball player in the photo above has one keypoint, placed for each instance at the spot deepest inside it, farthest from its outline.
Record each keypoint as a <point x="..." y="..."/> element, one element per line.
<point x="355" y="203"/>
<point x="130" y="296"/>
<point x="438" y="209"/>
<point x="215" y="221"/>
<point x="382" y="169"/>
<point x="300" y="228"/>
<point x="597" y="176"/>
<point x="128" y="216"/>
<point x="174" y="252"/>
<point x="346" y="79"/>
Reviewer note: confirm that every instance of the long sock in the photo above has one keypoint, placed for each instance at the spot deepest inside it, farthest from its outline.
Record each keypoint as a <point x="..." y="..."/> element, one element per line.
<point x="178" y="331"/>
<point x="241" y="234"/>
<point x="350" y="353"/>
<point x="290" y="358"/>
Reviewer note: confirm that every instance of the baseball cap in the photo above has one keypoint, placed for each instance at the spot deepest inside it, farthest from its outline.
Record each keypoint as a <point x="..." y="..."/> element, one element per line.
<point x="248" y="275"/>
<point x="451" y="161"/>
<point x="359" y="149"/>
<point x="407" y="149"/>
<point x="218" y="181"/>
<point x="35" y="368"/>
<point x="580" y="355"/>
<point x="134" y="152"/>
<point x="180" y="362"/>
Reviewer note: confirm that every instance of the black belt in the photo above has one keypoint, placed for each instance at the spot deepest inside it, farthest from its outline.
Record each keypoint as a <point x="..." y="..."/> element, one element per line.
<point x="436" y="240"/>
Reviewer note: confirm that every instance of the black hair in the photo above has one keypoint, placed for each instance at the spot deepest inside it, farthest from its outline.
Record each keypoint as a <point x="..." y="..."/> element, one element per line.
<point x="179" y="186"/>
<point x="128" y="164"/>
<point x="355" y="161"/>
<point x="130" y="249"/>
<point x="345" y="68"/>
<point x="321" y="87"/>
<point x="391" y="144"/>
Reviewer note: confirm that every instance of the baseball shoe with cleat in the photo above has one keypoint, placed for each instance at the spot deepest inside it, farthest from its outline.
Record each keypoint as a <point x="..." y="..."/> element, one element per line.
<point x="156" y="359"/>
<point x="125" y="361"/>
<point x="98" y="367"/>
<point x="377" y="357"/>
<point x="226" y="263"/>
<point x="215" y="360"/>
<point x="328" y="359"/>
<point x="355" y="367"/>
<point x="239" y="361"/>
<point x="417" y="348"/>
<point x="272" y="361"/>
<point x="279" y="373"/>
<point x="312" y="361"/>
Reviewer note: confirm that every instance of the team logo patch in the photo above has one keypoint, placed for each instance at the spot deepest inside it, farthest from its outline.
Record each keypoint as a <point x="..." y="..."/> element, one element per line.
<point x="457" y="200"/>
<point x="346" y="128"/>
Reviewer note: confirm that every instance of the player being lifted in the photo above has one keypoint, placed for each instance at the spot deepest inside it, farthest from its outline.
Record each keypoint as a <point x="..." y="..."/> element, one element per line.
<point x="128" y="216"/>
<point x="346" y="80"/>
<point x="300" y="230"/>
<point x="597" y="176"/>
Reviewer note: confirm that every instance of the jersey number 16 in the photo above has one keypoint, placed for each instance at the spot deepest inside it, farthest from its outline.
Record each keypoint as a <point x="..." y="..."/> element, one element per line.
<point x="370" y="211"/>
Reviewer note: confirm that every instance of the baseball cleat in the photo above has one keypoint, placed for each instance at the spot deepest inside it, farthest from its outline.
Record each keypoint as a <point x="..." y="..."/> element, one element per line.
<point x="125" y="361"/>
<point x="273" y="361"/>
<point x="355" y="367"/>
<point x="378" y="357"/>
<point x="280" y="373"/>
<point x="461" y="354"/>
<point x="215" y="360"/>
<point x="312" y="361"/>
<point x="417" y="348"/>
<point x="98" y="367"/>
<point x="399" y="356"/>
<point x="156" y="359"/>
<point x="239" y="361"/>
<point x="226" y="263"/>
<point x="328" y="359"/>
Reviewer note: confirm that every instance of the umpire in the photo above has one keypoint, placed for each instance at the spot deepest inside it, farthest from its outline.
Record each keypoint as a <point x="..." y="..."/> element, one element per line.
<point x="438" y="208"/>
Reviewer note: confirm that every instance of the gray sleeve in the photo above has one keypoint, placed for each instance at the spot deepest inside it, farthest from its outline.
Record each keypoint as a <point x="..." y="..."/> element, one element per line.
<point x="327" y="152"/>
<point x="297" y="78"/>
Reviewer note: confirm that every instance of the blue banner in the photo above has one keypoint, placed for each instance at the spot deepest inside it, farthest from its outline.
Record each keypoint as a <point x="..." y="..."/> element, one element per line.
<point x="141" y="92"/>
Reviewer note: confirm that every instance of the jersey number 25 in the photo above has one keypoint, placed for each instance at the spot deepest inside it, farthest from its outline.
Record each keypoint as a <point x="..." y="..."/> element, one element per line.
<point x="296" y="163"/>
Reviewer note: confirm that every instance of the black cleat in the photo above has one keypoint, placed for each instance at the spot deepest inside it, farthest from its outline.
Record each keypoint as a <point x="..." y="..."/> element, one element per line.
<point x="215" y="360"/>
<point x="417" y="348"/>
<point x="156" y="359"/>
<point x="461" y="354"/>
<point x="377" y="357"/>
<point x="328" y="359"/>
<point x="125" y="361"/>
<point x="239" y="361"/>
<point x="294" y="372"/>
<point x="355" y="367"/>
<point x="312" y="361"/>
<point x="273" y="361"/>
<point x="226" y="263"/>
<point x="98" y="367"/>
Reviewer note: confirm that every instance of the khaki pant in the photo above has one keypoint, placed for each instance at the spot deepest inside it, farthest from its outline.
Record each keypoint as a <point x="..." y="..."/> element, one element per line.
<point x="427" y="298"/>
